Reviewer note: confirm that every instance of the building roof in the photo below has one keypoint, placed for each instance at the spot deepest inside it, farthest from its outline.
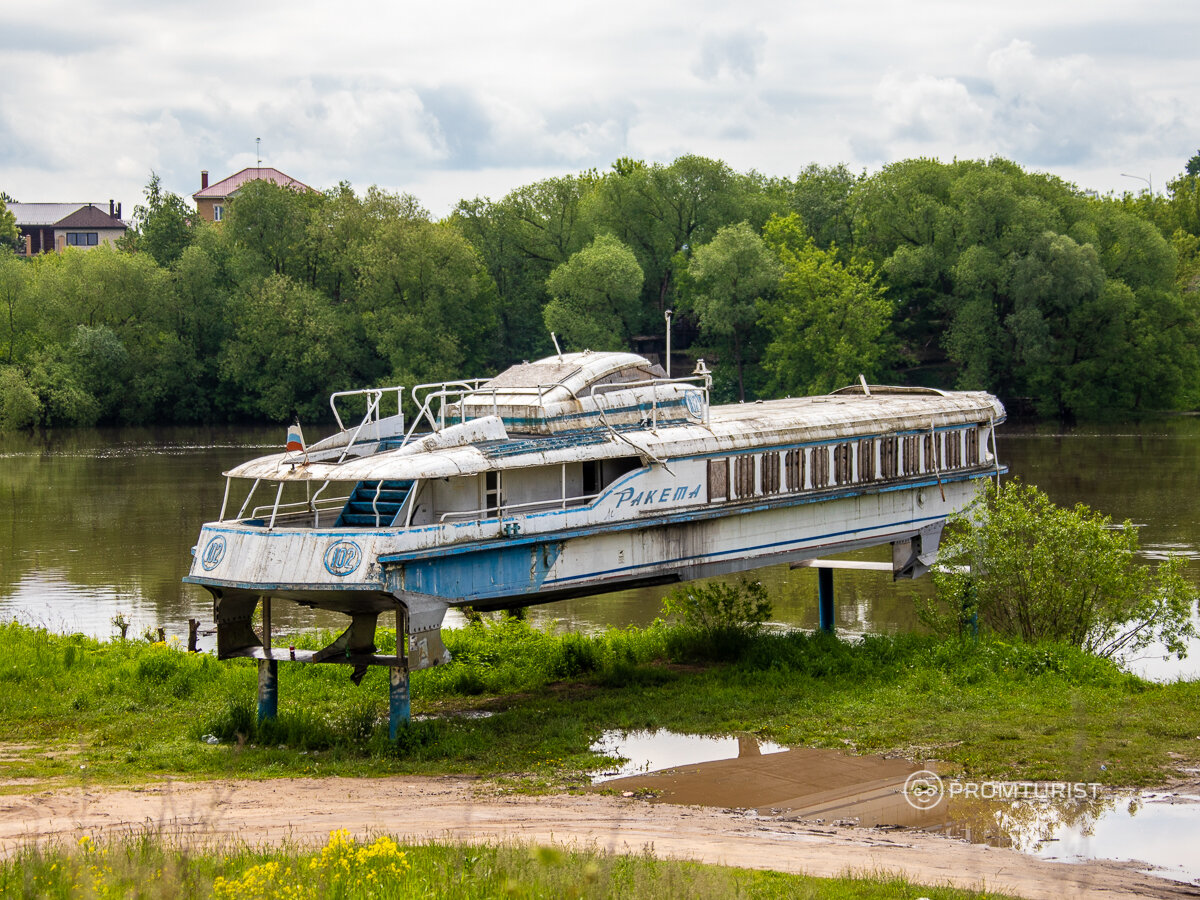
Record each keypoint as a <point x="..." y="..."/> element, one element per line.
<point x="90" y="217"/>
<point x="62" y="215"/>
<point x="227" y="187"/>
<point x="42" y="215"/>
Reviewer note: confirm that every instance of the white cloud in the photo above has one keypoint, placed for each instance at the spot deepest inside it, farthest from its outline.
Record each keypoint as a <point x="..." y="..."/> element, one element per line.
<point x="450" y="97"/>
<point x="735" y="54"/>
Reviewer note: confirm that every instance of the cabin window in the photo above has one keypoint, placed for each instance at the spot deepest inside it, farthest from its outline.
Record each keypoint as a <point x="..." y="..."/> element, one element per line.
<point x="491" y="494"/>
<point x="843" y="472"/>
<point x="591" y="477"/>
<point x="933" y="456"/>
<point x="972" y="446"/>
<point x="820" y="466"/>
<point x="953" y="455"/>
<point x="770" y="473"/>
<point x="866" y="460"/>
<point x="718" y="479"/>
<point x="793" y="464"/>
<point x="889" y="450"/>
<point x="912" y="454"/>
<point x="743" y="476"/>
<point x="612" y="469"/>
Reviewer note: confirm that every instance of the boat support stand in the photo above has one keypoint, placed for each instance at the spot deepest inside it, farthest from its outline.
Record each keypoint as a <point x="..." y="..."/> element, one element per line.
<point x="418" y="625"/>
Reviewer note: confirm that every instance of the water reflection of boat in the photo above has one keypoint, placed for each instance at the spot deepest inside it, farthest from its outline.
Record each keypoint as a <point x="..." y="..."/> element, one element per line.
<point x="575" y="475"/>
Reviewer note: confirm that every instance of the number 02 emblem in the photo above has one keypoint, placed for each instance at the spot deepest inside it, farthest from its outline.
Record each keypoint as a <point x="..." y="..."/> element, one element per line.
<point x="342" y="558"/>
<point x="214" y="552"/>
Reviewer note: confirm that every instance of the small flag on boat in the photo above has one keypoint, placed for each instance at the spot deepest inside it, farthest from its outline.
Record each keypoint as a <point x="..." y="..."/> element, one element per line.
<point x="295" y="438"/>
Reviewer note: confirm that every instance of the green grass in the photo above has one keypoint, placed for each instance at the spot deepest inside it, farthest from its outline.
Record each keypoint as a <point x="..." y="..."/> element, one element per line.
<point x="147" y="866"/>
<point x="75" y="710"/>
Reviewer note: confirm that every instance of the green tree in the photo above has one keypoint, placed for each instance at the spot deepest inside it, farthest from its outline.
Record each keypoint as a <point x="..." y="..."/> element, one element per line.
<point x="9" y="233"/>
<point x="661" y="212"/>
<point x="522" y="238"/>
<point x="1035" y="571"/>
<point x="429" y="305"/>
<point x="595" y="296"/>
<point x="288" y="351"/>
<point x="828" y="321"/>
<point x="341" y="228"/>
<point x="268" y="225"/>
<point x="19" y="404"/>
<point x="824" y="197"/>
<point x="729" y="279"/>
<point x="162" y="227"/>
<point x="18" y="312"/>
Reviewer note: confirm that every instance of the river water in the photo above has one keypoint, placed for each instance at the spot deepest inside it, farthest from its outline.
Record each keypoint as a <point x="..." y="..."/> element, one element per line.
<point x="96" y="523"/>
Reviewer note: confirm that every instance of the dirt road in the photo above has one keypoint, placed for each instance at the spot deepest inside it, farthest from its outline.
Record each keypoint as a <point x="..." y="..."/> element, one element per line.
<point x="306" y="810"/>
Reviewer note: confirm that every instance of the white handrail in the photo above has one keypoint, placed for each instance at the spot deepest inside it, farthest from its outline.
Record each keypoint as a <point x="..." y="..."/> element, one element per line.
<point x="502" y="511"/>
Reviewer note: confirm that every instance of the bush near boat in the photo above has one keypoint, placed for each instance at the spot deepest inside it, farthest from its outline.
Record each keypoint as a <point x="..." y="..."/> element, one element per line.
<point x="524" y="703"/>
<point x="1017" y="564"/>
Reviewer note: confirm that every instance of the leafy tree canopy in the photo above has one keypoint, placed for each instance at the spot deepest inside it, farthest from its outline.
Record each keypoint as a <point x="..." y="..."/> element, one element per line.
<point x="828" y="322"/>
<point x="595" y="296"/>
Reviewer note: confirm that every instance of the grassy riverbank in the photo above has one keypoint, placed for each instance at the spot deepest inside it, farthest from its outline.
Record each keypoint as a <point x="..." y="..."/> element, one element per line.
<point x="74" y="710"/>
<point x="151" y="867"/>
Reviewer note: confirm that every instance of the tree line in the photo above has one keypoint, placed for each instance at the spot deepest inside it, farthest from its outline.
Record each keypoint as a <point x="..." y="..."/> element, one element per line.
<point x="970" y="274"/>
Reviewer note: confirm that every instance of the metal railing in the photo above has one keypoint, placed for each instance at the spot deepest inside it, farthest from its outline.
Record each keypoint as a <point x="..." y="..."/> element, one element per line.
<point x="300" y="509"/>
<point x="374" y="404"/>
<point x="499" y="512"/>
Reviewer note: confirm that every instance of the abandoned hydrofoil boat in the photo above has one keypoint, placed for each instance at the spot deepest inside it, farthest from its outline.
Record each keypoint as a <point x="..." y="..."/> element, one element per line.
<point x="577" y="474"/>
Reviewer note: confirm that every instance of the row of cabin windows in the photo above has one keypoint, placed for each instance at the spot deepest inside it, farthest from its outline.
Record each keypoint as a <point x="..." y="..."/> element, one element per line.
<point x="844" y="463"/>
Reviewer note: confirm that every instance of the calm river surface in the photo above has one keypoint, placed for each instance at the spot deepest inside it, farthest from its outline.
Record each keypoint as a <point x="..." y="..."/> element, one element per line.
<point x="99" y="522"/>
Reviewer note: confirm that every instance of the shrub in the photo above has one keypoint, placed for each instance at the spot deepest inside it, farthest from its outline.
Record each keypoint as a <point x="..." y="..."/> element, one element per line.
<point x="723" y="618"/>
<point x="1031" y="570"/>
<point x="19" y="406"/>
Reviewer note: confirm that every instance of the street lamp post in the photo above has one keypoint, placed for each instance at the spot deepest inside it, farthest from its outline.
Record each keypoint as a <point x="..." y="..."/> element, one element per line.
<point x="1149" y="183"/>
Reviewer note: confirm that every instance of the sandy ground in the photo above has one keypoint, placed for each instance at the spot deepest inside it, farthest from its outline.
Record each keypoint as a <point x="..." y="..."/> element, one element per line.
<point x="306" y="810"/>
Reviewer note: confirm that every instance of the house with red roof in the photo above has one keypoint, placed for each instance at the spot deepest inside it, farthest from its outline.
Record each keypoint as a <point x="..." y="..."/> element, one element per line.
<point x="211" y="198"/>
<point x="52" y="227"/>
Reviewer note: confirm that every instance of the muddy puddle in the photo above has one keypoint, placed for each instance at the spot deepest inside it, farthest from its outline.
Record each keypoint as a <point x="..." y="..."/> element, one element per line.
<point x="1069" y="822"/>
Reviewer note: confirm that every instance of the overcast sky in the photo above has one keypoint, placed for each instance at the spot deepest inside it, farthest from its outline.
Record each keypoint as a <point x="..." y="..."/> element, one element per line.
<point x="449" y="100"/>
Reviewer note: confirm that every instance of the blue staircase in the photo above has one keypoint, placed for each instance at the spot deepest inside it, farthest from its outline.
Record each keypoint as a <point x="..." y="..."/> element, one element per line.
<point x="359" y="511"/>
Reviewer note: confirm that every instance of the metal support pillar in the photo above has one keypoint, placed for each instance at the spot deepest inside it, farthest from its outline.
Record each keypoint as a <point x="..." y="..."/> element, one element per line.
<point x="268" y="689"/>
<point x="400" y="712"/>
<point x="825" y="599"/>
<point x="399" y="708"/>
<point x="268" y="671"/>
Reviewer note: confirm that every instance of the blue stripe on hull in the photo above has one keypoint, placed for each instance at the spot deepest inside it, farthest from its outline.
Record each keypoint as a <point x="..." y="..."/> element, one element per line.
<point x="491" y="573"/>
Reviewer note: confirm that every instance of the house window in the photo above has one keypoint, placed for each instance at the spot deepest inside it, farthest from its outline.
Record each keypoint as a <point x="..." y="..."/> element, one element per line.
<point x="218" y="212"/>
<point x="82" y="238"/>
